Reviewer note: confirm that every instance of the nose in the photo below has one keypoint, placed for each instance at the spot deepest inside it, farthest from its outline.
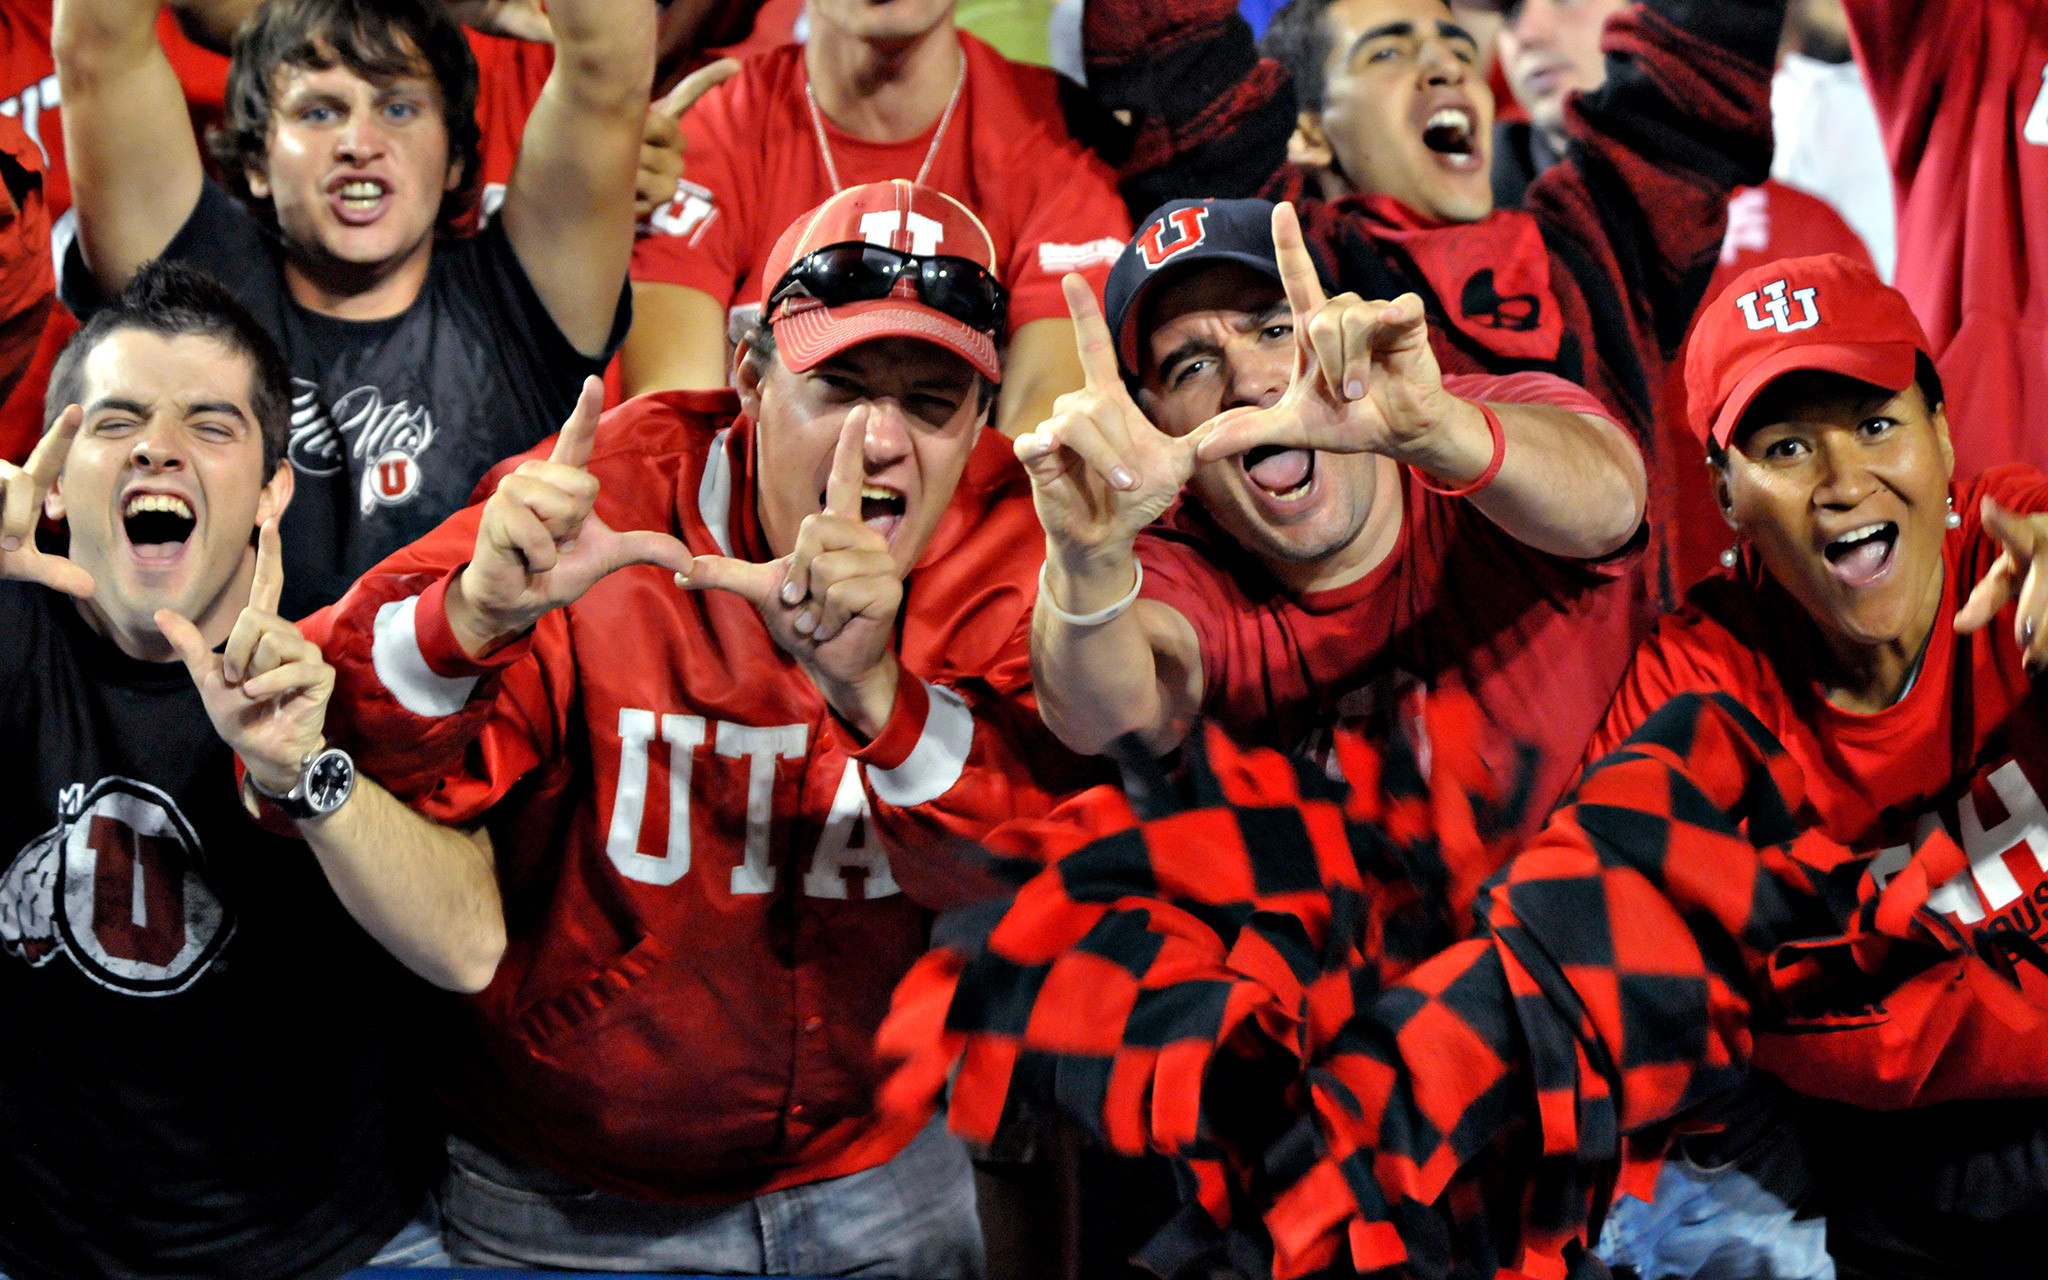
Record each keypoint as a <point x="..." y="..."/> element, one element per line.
<point x="1845" y="479"/>
<point x="1441" y="64"/>
<point x="158" y="447"/>
<point x="360" y="138"/>
<point x="888" y="438"/>
<point x="1255" y="378"/>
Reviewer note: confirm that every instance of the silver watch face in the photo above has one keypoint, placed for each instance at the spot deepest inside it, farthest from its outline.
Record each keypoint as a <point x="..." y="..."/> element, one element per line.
<point x="329" y="781"/>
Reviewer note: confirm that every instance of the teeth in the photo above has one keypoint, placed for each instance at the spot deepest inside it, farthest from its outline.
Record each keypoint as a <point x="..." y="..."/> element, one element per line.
<point x="879" y="493"/>
<point x="361" y="191"/>
<point x="157" y="502"/>
<point x="1451" y="117"/>
<point x="1863" y="534"/>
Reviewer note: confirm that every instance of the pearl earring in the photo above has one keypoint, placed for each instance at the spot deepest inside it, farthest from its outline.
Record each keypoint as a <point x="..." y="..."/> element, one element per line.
<point x="1728" y="558"/>
<point x="1952" y="520"/>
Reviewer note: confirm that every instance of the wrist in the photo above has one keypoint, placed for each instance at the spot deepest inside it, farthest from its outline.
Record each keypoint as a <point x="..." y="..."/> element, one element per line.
<point x="480" y="633"/>
<point x="865" y="704"/>
<point x="273" y="777"/>
<point x="1453" y="443"/>
<point x="1091" y="581"/>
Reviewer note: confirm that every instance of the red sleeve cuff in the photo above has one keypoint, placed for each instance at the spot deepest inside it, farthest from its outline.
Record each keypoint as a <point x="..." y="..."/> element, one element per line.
<point x="900" y="736"/>
<point x="438" y="645"/>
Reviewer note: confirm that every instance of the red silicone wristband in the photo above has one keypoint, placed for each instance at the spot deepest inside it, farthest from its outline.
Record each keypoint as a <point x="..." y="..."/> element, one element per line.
<point x="1500" y="455"/>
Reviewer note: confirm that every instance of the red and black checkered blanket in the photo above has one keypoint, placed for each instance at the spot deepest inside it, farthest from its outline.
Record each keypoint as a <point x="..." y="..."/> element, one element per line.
<point x="1261" y="975"/>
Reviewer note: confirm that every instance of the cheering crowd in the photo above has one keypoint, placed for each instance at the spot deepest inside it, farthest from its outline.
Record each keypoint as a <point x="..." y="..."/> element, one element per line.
<point x="1351" y="636"/>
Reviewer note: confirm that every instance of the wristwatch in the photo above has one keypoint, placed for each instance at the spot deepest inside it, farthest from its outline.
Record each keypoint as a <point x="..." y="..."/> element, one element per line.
<point x="326" y="780"/>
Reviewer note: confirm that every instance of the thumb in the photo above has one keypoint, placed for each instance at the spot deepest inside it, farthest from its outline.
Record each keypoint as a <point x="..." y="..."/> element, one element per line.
<point x="191" y="646"/>
<point x="695" y="85"/>
<point x="647" y="546"/>
<point x="1240" y="430"/>
<point x="755" y="583"/>
<point x="59" y="574"/>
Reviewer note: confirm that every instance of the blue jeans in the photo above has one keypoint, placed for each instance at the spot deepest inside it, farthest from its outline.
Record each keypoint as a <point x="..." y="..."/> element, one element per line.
<point x="417" y="1244"/>
<point x="1714" y="1224"/>
<point x="912" y="1218"/>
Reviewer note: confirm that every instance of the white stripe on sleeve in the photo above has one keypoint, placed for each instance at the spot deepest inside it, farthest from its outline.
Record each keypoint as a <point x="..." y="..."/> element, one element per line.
<point x="937" y="760"/>
<point x="395" y="653"/>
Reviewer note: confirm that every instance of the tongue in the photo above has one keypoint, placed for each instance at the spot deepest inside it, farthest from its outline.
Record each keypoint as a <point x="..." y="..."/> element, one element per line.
<point x="1865" y="562"/>
<point x="1280" y="472"/>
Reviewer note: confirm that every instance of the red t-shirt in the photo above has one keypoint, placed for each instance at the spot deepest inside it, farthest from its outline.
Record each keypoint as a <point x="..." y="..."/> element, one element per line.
<point x="29" y="93"/>
<point x="754" y="167"/>
<point x="1765" y="224"/>
<point x="1961" y="88"/>
<point x="1965" y="749"/>
<point x="1538" y="640"/>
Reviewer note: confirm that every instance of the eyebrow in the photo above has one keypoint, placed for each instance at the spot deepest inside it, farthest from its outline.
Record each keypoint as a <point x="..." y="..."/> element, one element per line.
<point x="1199" y="346"/>
<point x="122" y="404"/>
<point x="1448" y="30"/>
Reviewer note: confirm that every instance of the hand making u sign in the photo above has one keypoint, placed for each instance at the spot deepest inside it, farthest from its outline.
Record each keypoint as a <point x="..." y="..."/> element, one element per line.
<point x="1365" y="379"/>
<point x="831" y="603"/>
<point x="541" y="546"/>
<point x="1100" y="470"/>
<point x="22" y="490"/>
<point x="266" y="691"/>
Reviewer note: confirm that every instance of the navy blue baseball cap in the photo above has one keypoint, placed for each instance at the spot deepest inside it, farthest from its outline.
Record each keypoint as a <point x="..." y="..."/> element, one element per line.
<point x="1180" y="234"/>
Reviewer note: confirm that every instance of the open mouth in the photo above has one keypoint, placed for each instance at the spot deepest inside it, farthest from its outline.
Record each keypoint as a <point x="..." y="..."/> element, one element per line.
<point x="1862" y="555"/>
<point x="1284" y="474"/>
<point x="881" y="508"/>
<point x="359" y="199"/>
<point x="1450" y="134"/>
<point x="158" y="525"/>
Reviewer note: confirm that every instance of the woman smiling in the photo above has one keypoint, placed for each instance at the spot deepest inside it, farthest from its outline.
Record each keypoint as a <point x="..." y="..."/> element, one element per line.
<point x="1881" y="619"/>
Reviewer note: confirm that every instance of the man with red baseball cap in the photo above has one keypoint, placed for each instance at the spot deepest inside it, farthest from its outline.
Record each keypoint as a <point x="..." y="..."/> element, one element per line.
<point x="722" y="812"/>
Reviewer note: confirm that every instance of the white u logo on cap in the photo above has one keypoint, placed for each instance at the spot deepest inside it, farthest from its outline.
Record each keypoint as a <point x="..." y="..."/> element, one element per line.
<point x="1780" y="310"/>
<point x="881" y="226"/>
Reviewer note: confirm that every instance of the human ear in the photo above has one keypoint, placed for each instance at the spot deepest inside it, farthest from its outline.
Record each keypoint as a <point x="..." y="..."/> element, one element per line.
<point x="1309" y="145"/>
<point x="747" y="380"/>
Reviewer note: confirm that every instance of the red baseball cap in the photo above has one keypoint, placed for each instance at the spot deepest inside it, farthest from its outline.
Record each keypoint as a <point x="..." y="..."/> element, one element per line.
<point x="899" y="215"/>
<point x="1827" y="312"/>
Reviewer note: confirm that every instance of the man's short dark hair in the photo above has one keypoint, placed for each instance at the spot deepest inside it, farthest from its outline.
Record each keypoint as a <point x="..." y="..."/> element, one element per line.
<point x="1298" y="39"/>
<point x="379" y="40"/>
<point x="760" y="342"/>
<point x="173" y="300"/>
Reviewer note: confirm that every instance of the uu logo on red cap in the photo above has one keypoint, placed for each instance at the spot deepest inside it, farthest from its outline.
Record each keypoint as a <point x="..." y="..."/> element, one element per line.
<point x="1779" y="308"/>
<point x="1190" y="226"/>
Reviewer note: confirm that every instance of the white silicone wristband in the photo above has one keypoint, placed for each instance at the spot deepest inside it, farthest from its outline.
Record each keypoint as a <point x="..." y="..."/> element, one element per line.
<point x="1100" y="616"/>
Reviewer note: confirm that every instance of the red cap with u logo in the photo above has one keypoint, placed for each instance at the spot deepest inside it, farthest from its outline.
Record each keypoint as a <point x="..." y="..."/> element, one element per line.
<point x="898" y="215"/>
<point x="1826" y="313"/>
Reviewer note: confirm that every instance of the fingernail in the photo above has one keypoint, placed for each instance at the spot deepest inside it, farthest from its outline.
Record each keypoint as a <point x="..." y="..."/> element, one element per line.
<point x="806" y="622"/>
<point x="1122" y="478"/>
<point x="790" y="593"/>
<point x="1354" y="390"/>
<point x="10" y="543"/>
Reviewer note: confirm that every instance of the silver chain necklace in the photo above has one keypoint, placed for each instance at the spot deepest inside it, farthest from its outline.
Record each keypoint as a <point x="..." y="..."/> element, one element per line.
<point x="825" y="147"/>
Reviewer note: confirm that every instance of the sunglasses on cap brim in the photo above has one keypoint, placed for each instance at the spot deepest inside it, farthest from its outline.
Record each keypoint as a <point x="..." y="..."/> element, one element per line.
<point x="839" y="274"/>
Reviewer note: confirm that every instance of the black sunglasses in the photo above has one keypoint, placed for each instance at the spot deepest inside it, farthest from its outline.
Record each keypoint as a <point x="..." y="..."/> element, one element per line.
<point x="857" y="272"/>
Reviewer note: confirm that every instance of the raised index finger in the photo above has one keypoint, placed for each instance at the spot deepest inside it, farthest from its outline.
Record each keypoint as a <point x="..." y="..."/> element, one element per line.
<point x="1091" y="334"/>
<point x="696" y="85"/>
<point x="849" y="465"/>
<point x="1297" y="268"/>
<point x="579" y="433"/>
<point x="47" y="462"/>
<point x="267" y="587"/>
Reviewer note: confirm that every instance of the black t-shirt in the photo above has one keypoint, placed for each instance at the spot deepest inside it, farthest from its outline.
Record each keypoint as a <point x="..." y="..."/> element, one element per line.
<point x="393" y="421"/>
<point x="208" y="1066"/>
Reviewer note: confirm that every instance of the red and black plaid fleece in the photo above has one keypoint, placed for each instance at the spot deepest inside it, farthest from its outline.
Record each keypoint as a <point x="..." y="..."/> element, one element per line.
<point x="1236" y="984"/>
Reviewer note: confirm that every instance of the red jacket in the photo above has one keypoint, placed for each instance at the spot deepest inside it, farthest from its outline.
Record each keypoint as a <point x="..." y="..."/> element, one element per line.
<point x="704" y="925"/>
